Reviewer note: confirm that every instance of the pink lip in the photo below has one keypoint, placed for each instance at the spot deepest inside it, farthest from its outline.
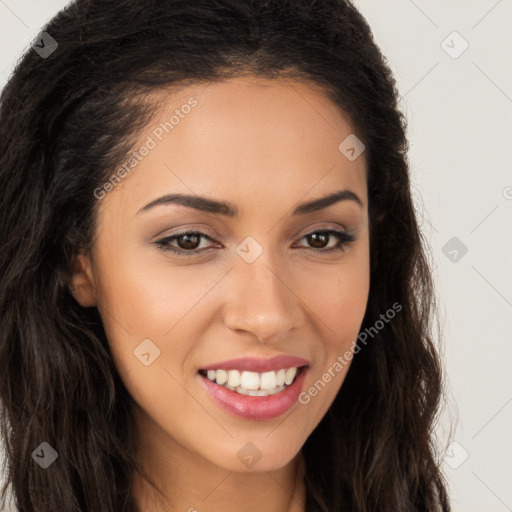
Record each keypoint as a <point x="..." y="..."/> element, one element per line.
<point x="259" y="365"/>
<point x="255" y="407"/>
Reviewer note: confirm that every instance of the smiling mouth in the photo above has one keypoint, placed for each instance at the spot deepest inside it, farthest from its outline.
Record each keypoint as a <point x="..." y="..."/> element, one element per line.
<point x="254" y="383"/>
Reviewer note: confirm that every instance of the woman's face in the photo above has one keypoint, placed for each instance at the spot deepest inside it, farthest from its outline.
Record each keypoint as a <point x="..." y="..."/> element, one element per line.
<point x="256" y="282"/>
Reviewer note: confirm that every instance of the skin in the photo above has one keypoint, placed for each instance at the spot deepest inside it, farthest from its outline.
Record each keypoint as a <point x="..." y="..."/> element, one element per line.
<point x="264" y="146"/>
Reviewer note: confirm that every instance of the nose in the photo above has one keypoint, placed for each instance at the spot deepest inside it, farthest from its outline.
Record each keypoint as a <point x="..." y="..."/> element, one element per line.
<point x="262" y="301"/>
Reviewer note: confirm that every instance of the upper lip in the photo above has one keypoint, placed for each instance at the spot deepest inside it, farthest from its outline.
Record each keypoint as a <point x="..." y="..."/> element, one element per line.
<point x="259" y="364"/>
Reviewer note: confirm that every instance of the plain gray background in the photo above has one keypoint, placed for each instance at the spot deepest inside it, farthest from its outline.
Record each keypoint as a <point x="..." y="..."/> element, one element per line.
<point x="458" y="104"/>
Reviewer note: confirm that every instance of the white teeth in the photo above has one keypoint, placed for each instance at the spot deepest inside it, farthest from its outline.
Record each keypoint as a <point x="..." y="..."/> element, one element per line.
<point x="253" y="383"/>
<point x="221" y="376"/>
<point x="249" y="380"/>
<point x="268" y="380"/>
<point x="290" y="375"/>
<point x="259" y="392"/>
<point x="234" y="378"/>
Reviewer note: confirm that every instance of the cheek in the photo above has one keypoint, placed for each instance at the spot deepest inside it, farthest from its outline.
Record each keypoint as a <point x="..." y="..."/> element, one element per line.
<point x="140" y="300"/>
<point x="339" y="304"/>
<point x="339" y="297"/>
<point x="148" y="297"/>
<point x="141" y="306"/>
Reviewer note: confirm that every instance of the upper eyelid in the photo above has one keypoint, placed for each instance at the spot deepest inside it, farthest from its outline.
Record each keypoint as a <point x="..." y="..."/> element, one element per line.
<point x="174" y="236"/>
<point x="335" y="226"/>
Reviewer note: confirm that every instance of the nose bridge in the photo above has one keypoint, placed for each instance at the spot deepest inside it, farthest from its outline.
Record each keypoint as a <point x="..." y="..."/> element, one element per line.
<point x="262" y="302"/>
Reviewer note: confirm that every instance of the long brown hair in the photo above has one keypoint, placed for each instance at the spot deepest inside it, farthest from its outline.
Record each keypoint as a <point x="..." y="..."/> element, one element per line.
<point x="67" y="120"/>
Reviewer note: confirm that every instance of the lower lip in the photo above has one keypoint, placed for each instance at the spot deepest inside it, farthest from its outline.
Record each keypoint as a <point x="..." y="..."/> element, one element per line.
<point x="255" y="407"/>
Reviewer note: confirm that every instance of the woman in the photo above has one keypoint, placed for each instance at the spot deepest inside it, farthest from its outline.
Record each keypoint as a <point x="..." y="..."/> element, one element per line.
<point x="215" y="294"/>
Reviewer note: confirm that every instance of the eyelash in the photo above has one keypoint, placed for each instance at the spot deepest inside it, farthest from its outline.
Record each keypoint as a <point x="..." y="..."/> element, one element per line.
<point x="344" y="238"/>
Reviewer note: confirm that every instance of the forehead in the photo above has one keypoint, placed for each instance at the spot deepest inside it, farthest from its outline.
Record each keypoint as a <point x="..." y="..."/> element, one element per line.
<point x="241" y="137"/>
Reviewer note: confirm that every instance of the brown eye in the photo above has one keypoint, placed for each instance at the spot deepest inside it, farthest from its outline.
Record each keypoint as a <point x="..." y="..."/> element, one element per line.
<point x="319" y="240"/>
<point x="187" y="243"/>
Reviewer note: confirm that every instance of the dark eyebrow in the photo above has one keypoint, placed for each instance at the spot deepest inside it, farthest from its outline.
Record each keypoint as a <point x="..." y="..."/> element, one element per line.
<point x="197" y="202"/>
<point x="226" y="208"/>
<point x="325" y="202"/>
